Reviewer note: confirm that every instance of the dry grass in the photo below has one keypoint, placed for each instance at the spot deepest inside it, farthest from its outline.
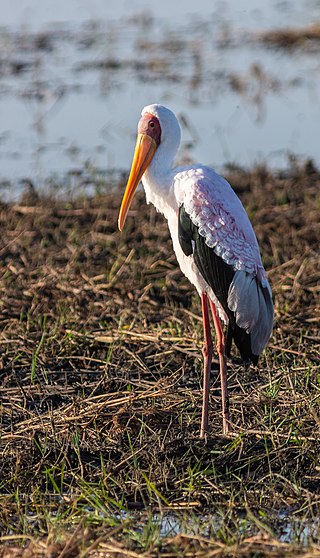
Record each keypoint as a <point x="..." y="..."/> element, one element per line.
<point x="101" y="377"/>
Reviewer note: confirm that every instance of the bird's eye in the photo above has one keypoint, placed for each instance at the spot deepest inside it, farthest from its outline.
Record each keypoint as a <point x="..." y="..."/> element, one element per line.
<point x="151" y="124"/>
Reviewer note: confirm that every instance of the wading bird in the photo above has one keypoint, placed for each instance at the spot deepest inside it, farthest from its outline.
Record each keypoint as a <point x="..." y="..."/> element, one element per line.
<point x="214" y="243"/>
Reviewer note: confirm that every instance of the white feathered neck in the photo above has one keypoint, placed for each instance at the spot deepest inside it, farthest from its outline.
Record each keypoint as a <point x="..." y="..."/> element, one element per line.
<point x="158" y="178"/>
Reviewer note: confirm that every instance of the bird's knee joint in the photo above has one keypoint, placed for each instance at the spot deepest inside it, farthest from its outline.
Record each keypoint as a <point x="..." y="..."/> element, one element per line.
<point x="220" y="348"/>
<point x="207" y="350"/>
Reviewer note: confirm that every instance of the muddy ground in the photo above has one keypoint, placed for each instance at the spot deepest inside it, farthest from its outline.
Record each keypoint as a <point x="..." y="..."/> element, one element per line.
<point x="101" y="376"/>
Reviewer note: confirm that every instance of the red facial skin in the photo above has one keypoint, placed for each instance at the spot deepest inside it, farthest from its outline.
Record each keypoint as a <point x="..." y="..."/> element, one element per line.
<point x="150" y="125"/>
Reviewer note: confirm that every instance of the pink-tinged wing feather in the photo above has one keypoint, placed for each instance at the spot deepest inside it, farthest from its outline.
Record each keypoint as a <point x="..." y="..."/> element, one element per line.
<point x="222" y="220"/>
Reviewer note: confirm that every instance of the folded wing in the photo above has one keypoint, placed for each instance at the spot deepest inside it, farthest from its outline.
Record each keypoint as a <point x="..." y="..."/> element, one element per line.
<point x="214" y="228"/>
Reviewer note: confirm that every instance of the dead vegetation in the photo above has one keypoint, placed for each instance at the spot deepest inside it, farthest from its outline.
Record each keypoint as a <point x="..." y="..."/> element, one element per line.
<point x="307" y="37"/>
<point x="101" y="376"/>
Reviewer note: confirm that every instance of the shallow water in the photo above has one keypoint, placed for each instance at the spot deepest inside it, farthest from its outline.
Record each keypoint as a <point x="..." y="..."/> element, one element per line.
<point x="74" y="77"/>
<point x="284" y="526"/>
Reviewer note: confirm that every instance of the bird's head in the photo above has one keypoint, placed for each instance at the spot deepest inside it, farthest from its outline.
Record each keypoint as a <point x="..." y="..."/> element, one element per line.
<point x="157" y="126"/>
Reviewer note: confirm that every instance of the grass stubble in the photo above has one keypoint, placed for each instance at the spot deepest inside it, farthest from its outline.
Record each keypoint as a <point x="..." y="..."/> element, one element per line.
<point x="101" y="376"/>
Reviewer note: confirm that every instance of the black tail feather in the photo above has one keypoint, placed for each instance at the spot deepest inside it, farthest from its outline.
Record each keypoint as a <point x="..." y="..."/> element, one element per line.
<point x="242" y="341"/>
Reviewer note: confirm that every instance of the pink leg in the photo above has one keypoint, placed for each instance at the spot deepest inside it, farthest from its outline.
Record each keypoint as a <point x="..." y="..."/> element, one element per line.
<point x="223" y="368"/>
<point x="207" y="357"/>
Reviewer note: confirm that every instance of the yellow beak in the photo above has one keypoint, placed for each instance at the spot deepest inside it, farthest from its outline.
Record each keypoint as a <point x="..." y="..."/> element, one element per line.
<point x="143" y="154"/>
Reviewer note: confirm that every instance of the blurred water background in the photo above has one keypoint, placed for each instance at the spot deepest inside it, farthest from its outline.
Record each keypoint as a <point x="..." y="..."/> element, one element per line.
<point x="75" y="74"/>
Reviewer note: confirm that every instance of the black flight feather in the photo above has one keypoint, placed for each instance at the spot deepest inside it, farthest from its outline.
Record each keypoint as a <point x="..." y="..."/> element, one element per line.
<point x="219" y="275"/>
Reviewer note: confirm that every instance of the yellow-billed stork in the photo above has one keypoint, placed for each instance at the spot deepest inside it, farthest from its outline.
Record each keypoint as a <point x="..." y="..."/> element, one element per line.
<point x="214" y="243"/>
